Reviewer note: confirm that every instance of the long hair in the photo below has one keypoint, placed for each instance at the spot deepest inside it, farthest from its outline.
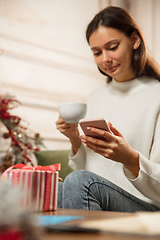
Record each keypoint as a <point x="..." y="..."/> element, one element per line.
<point x="118" y="18"/>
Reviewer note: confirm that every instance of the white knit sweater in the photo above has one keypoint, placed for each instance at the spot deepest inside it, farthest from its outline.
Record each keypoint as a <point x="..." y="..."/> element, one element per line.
<point x="133" y="107"/>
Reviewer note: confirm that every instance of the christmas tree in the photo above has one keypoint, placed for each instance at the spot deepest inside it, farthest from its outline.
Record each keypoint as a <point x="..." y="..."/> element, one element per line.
<point x="23" y="141"/>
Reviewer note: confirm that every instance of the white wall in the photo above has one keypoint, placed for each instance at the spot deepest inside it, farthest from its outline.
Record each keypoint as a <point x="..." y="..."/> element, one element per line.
<point x="147" y="15"/>
<point x="45" y="59"/>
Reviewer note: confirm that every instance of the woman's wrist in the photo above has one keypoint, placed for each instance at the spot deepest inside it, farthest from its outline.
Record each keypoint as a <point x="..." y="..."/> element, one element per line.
<point x="133" y="165"/>
<point x="76" y="143"/>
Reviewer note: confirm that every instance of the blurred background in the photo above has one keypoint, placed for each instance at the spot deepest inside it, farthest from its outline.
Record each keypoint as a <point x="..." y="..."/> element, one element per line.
<point x="45" y="59"/>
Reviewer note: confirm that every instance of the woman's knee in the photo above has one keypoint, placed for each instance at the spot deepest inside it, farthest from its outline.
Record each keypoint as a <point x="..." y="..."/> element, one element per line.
<point x="77" y="177"/>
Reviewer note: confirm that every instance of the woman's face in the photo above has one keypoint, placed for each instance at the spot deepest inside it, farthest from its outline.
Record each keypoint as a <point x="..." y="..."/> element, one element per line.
<point x="113" y="52"/>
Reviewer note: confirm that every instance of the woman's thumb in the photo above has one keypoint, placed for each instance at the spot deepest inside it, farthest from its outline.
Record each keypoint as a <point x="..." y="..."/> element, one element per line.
<point x="114" y="130"/>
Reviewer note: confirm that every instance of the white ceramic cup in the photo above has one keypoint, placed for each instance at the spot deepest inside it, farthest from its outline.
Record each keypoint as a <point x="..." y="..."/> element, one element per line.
<point x="72" y="112"/>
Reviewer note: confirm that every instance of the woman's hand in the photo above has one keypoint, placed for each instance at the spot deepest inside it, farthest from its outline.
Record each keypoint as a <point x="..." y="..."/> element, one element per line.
<point x="115" y="147"/>
<point x="71" y="132"/>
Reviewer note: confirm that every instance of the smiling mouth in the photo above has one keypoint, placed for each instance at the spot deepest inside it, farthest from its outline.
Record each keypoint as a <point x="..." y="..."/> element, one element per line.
<point x="112" y="69"/>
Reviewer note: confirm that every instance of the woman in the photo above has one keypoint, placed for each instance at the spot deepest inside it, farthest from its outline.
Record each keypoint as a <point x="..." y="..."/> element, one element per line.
<point x="121" y="173"/>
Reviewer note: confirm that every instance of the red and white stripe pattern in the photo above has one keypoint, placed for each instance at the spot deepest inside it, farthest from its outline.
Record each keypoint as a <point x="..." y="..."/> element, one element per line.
<point x="39" y="188"/>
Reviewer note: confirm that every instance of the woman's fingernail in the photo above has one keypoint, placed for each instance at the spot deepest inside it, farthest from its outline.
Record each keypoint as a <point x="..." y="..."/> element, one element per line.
<point x="81" y="137"/>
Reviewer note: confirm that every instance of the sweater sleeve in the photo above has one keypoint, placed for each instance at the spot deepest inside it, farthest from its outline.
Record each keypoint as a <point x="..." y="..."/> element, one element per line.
<point x="78" y="161"/>
<point x="148" y="181"/>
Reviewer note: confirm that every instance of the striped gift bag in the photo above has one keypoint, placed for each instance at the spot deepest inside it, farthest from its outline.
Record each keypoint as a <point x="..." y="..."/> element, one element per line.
<point x="38" y="185"/>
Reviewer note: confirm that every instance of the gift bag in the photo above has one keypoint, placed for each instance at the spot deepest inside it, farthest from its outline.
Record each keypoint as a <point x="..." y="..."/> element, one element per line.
<point x="38" y="185"/>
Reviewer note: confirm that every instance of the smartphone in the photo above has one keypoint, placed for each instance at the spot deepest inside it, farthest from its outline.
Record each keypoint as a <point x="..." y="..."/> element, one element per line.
<point x="100" y="123"/>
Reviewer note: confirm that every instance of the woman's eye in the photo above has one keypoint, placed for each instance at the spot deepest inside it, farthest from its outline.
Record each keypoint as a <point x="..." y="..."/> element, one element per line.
<point x="96" y="53"/>
<point x="114" y="48"/>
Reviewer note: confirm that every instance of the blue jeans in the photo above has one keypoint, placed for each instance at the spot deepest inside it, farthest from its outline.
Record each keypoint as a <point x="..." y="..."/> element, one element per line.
<point x="86" y="190"/>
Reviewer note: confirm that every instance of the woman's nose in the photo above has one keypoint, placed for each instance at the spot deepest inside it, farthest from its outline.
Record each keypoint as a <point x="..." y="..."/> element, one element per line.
<point x="106" y="57"/>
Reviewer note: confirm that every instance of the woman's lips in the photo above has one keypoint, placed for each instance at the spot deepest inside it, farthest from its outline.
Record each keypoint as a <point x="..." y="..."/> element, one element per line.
<point x="112" y="69"/>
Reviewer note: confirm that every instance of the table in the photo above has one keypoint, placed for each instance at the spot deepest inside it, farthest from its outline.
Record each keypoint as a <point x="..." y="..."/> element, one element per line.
<point x="88" y="215"/>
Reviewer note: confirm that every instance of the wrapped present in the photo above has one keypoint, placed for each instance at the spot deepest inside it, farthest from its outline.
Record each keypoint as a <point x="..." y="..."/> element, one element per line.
<point x="39" y="185"/>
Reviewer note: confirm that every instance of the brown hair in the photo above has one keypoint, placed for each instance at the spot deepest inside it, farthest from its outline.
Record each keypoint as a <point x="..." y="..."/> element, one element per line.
<point x="118" y="18"/>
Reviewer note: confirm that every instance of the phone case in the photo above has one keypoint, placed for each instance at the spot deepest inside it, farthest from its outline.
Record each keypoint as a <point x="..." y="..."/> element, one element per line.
<point x="97" y="123"/>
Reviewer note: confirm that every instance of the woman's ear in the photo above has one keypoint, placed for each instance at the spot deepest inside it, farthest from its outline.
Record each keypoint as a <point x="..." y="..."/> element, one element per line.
<point x="136" y="40"/>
